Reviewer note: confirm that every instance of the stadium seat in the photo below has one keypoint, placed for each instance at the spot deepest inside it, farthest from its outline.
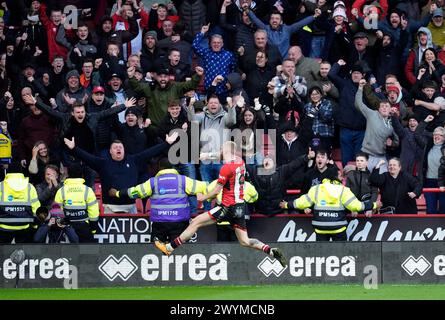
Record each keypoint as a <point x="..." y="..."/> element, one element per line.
<point x="139" y="206"/>
<point x="98" y="189"/>
<point x="339" y="165"/>
<point x="421" y="204"/>
<point x="336" y="155"/>
<point x="101" y="206"/>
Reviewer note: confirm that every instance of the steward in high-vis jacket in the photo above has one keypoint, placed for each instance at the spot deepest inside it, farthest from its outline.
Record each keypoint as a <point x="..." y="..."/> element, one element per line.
<point x="169" y="191"/>
<point x="79" y="204"/>
<point x="18" y="205"/>
<point x="329" y="200"/>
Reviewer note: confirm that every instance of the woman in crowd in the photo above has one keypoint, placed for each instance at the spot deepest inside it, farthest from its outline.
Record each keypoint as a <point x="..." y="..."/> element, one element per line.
<point x="41" y="157"/>
<point x="321" y="110"/>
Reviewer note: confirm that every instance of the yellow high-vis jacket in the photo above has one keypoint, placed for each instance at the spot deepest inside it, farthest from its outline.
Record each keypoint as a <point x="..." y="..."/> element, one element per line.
<point x="18" y="202"/>
<point x="78" y="201"/>
<point x="169" y="194"/>
<point x="143" y="190"/>
<point x="329" y="201"/>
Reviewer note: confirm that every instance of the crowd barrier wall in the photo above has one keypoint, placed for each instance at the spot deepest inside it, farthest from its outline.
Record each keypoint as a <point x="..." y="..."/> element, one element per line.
<point x="137" y="265"/>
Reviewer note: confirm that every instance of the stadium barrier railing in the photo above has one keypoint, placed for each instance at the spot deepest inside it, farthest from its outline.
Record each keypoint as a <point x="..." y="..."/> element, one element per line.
<point x="144" y="212"/>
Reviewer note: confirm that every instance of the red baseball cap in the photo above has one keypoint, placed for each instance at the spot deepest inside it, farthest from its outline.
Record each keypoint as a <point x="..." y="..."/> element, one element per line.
<point x="393" y="88"/>
<point x="98" y="89"/>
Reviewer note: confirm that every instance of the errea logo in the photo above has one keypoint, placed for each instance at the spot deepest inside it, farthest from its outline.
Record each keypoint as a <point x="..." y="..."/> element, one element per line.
<point x="270" y="266"/>
<point x="418" y="265"/>
<point x="123" y="267"/>
<point x="421" y="265"/>
<point x="331" y="266"/>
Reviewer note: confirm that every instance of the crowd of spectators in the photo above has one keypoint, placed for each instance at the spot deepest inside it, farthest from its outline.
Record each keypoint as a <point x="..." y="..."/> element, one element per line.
<point x="364" y="78"/>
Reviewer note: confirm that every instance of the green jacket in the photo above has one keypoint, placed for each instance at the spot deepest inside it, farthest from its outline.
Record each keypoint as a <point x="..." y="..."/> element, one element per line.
<point x="158" y="98"/>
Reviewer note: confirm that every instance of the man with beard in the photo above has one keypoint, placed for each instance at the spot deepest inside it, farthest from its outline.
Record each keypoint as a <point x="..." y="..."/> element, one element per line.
<point x="388" y="54"/>
<point x="323" y="168"/>
<point x="322" y="81"/>
<point x="96" y="104"/>
<point x="134" y="133"/>
<point x="150" y="51"/>
<point x="86" y="78"/>
<point x="437" y="27"/>
<point x="278" y="32"/>
<point x="163" y="91"/>
<point x="73" y="91"/>
<point x="117" y="92"/>
<point x="111" y="63"/>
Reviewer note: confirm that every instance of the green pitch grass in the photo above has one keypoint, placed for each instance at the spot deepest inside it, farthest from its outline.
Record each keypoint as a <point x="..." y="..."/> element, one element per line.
<point x="278" y="292"/>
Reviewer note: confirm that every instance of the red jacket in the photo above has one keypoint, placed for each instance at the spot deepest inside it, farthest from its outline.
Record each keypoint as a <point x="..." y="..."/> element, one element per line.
<point x="412" y="64"/>
<point x="359" y="4"/>
<point x="54" y="49"/>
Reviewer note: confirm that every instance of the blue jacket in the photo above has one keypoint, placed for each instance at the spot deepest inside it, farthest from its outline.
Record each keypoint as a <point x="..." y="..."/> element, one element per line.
<point x="222" y="63"/>
<point x="281" y="36"/>
<point x="345" y="114"/>
<point x="119" y="174"/>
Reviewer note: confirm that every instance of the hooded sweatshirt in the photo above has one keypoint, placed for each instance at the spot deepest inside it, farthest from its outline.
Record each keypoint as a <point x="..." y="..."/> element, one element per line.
<point x="212" y="127"/>
<point x="415" y="56"/>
